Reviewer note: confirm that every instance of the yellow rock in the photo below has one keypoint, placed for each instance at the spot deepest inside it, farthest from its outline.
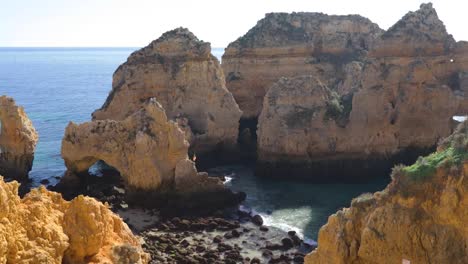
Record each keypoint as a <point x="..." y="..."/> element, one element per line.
<point x="44" y="228"/>
<point x="18" y="140"/>
<point x="181" y="73"/>
<point x="421" y="216"/>
<point x="148" y="150"/>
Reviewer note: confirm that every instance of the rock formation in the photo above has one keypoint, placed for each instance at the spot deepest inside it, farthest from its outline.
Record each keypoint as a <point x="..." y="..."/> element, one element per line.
<point x="401" y="96"/>
<point x="44" y="228"/>
<point x="18" y="140"/>
<point x="421" y="216"/>
<point x="148" y="150"/>
<point x="182" y="74"/>
<point x="288" y="45"/>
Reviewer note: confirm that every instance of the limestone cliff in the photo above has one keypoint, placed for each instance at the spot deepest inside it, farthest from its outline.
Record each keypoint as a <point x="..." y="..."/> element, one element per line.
<point x="421" y="216"/>
<point x="148" y="150"/>
<point x="387" y="103"/>
<point x="182" y="74"/>
<point x="288" y="45"/>
<point x="44" y="228"/>
<point x="18" y="140"/>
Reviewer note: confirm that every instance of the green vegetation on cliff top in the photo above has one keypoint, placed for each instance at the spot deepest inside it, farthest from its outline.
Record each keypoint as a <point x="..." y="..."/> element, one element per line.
<point x="453" y="151"/>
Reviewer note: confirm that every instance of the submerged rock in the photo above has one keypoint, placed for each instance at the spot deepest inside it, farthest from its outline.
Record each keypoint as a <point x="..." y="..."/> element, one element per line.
<point x="182" y="74"/>
<point x="421" y="216"/>
<point x="44" y="228"/>
<point x="387" y="106"/>
<point x="289" y="45"/>
<point x="18" y="140"/>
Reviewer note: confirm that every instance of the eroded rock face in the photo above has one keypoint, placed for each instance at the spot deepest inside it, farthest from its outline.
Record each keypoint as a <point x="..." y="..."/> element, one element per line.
<point x="44" y="228"/>
<point x="18" y="140"/>
<point x="289" y="45"/>
<point x="182" y="74"/>
<point x="382" y="107"/>
<point x="421" y="216"/>
<point x="148" y="150"/>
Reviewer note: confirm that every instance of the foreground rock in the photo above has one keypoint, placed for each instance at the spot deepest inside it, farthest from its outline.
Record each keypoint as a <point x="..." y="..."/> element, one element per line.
<point x="288" y="45"/>
<point x="18" y="140"/>
<point x="148" y="150"/>
<point x="44" y="228"/>
<point x="395" y="103"/>
<point x="182" y="74"/>
<point x="421" y="216"/>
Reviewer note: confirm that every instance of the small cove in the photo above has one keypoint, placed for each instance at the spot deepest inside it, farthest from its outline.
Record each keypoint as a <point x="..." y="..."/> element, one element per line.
<point x="58" y="85"/>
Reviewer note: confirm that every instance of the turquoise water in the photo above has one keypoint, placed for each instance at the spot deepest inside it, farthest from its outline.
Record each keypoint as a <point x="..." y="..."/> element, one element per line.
<point x="56" y="86"/>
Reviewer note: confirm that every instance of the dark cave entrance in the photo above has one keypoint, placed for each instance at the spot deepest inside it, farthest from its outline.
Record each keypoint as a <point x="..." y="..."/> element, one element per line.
<point x="247" y="140"/>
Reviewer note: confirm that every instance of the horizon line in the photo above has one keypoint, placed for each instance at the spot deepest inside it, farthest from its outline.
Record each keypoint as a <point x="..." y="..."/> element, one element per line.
<point x="64" y="47"/>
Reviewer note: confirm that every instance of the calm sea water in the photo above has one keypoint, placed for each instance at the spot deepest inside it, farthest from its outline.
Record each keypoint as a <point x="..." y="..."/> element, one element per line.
<point x="58" y="85"/>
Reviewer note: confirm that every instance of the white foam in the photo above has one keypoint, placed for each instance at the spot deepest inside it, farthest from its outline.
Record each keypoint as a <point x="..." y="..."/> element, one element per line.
<point x="460" y="118"/>
<point x="228" y="179"/>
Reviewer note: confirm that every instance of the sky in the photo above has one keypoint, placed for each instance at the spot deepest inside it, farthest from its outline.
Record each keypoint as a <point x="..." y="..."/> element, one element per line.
<point x="135" y="23"/>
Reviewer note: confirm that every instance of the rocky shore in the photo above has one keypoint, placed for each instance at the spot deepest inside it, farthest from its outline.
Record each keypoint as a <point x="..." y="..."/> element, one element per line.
<point x="302" y="95"/>
<point x="174" y="234"/>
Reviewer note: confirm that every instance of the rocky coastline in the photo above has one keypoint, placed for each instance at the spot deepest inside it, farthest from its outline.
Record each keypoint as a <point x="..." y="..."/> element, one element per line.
<point x="303" y="96"/>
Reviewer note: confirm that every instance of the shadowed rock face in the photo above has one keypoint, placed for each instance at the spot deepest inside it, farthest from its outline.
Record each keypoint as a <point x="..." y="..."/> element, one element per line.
<point x="44" y="228"/>
<point x="288" y="45"/>
<point x="180" y="72"/>
<point x="18" y="140"/>
<point x="421" y="216"/>
<point x="148" y="150"/>
<point x="386" y="103"/>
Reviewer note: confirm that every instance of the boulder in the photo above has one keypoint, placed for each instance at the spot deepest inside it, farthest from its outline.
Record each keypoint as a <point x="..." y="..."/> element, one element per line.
<point x="18" y="140"/>
<point x="389" y="107"/>
<point x="182" y="74"/>
<point x="420" y="217"/>
<point x="289" y="45"/>
<point x="44" y="228"/>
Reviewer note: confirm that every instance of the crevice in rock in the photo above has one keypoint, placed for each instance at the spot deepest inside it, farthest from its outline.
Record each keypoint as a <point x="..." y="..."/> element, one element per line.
<point x="247" y="140"/>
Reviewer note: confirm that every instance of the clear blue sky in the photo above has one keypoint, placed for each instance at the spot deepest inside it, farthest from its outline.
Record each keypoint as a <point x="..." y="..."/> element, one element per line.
<point x="134" y="23"/>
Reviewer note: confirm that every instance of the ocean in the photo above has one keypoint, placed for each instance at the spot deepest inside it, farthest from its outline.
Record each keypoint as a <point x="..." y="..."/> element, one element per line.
<point x="59" y="85"/>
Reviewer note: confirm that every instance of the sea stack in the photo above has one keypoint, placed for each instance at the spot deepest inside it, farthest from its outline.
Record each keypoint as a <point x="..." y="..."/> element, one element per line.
<point x="18" y="140"/>
<point x="420" y="217"/>
<point x="181" y="73"/>
<point x="289" y="45"/>
<point x="148" y="150"/>
<point x="388" y="106"/>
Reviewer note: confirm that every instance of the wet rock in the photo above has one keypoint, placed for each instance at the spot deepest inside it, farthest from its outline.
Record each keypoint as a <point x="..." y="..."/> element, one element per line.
<point x="217" y="239"/>
<point x="235" y="233"/>
<point x="263" y="229"/>
<point x="255" y="261"/>
<point x="257" y="219"/>
<point x="44" y="181"/>
<point x="267" y="253"/>
<point x="273" y="246"/>
<point x="287" y="243"/>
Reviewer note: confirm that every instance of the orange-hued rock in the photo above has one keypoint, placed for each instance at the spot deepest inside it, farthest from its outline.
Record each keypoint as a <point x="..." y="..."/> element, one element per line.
<point x="148" y="150"/>
<point x="289" y="45"/>
<point x="18" y="140"/>
<point x="421" y="216"/>
<point x="182" y="74"/>
<point x="44" y="228"/>
<point x="386" y="103"/>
